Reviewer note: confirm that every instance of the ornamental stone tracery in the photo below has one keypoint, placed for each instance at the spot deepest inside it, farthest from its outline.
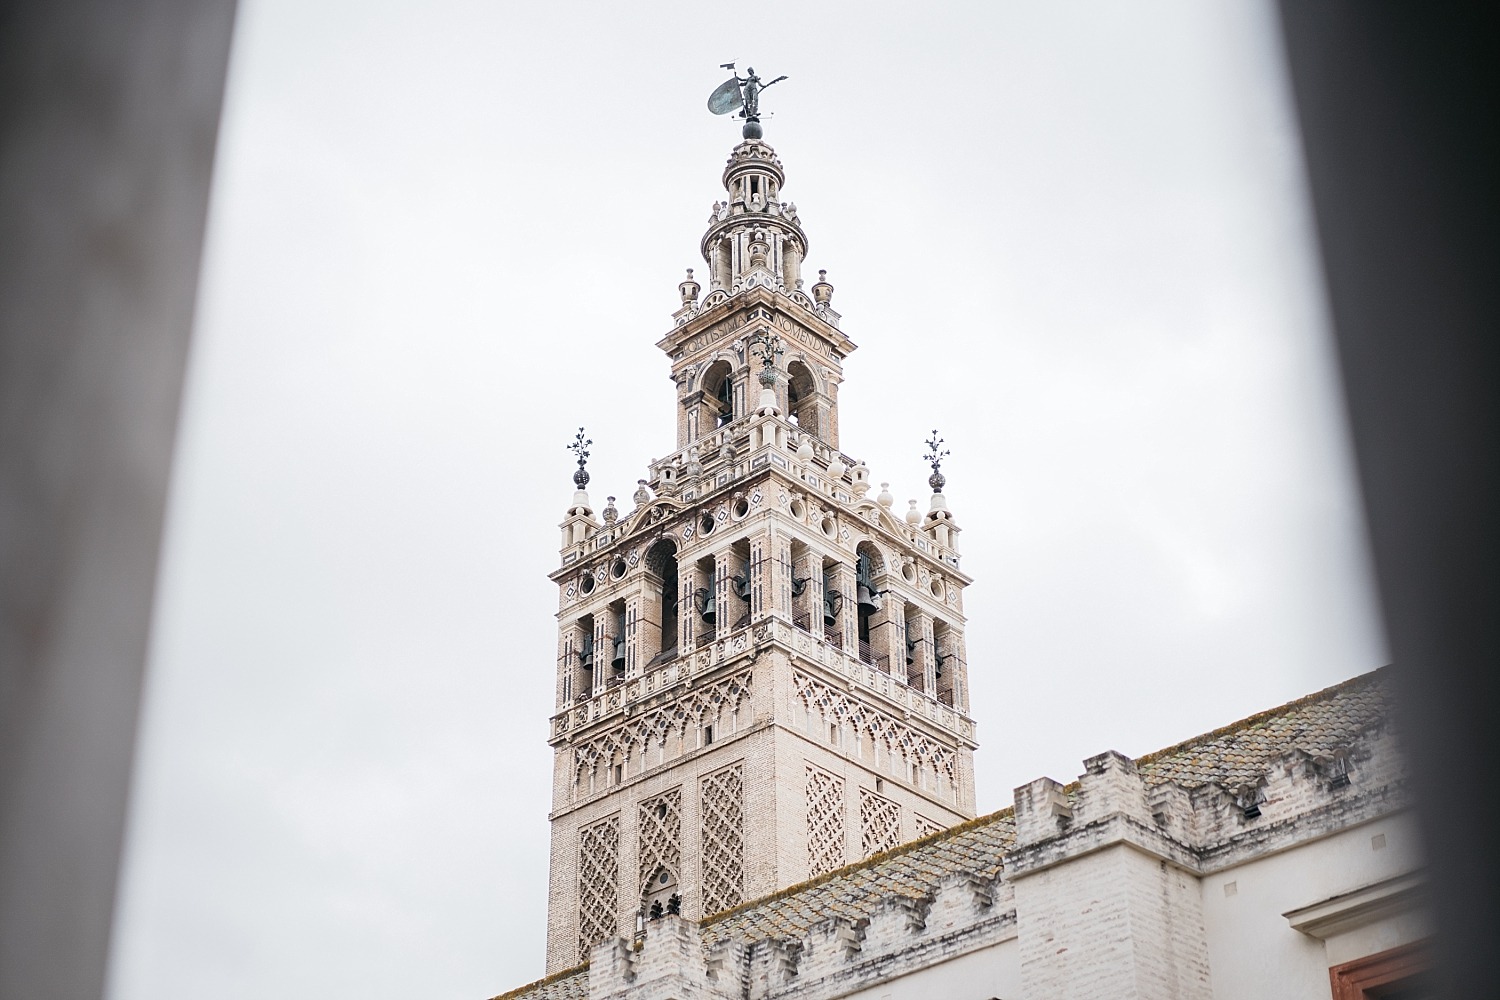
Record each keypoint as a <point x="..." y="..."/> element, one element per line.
<point x="879" y="823"/>
<point x="598" y="876"/>
<point x="722" y="809"/>
<point x="659" y="837"/>
<point x="899" y="741"/>
<point x="825" y="822"/>
<point x="629" y="742"/>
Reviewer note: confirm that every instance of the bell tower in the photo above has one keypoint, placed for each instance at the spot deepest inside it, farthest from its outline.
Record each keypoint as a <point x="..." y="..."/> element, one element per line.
<point x="761" y="673"/>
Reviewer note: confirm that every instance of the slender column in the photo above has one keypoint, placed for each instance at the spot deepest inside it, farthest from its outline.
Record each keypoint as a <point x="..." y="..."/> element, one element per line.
<point x="762" y="573"/>
<point x="925" y="650"/>
<point x="726" y="603"/>
<point x="886" y="629"/>
<point x="848" y="611"/>
<point x="603" y="625"/>
<point x="688" y="622"/>
<point x="637" y="640"/>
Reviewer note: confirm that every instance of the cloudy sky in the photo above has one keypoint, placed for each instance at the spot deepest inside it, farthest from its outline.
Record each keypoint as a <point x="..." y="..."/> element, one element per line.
<point x="1071" y="236"/>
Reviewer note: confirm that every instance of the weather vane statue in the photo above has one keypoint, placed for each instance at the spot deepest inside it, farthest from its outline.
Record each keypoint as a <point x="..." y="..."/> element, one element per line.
<point x="743" y="93"/>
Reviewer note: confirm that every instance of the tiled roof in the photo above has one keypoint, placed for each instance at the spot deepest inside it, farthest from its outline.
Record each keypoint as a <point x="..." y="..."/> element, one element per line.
<point x="1319" y="724"/>
<point x="572" y="984"/>
<point x="856" y="891"/>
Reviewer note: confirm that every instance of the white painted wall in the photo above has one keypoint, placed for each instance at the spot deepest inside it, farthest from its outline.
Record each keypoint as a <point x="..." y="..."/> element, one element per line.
<point x="1253" y="951"/>
<point x="979" y="975"/>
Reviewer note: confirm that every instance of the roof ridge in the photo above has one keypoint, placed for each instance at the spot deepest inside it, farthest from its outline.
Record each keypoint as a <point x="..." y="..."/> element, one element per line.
<point x="870" y="862"/>
<point x="1327" y="694"/>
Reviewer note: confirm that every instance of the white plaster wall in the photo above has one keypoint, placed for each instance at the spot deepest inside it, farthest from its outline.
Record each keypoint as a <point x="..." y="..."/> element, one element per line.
<point x="1254" y="953"/>
<point x="980" y="975"/>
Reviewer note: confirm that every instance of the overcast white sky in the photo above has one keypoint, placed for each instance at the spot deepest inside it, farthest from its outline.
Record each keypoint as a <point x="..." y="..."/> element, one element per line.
<point x="1071" y="236"/>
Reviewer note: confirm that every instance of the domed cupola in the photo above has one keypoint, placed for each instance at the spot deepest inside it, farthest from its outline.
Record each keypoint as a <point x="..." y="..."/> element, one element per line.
<point x="753" y="238"/>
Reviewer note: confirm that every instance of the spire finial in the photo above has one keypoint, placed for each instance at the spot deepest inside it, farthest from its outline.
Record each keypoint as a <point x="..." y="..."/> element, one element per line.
<point x="580" y="447"/>
<point x="934" y="457"/>
<point x="743" y="93"/>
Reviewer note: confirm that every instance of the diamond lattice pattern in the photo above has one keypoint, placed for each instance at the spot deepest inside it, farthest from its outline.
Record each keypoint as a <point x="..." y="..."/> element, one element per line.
<point x="825" y="822"/>
<point x="598" y="876"/>
<point x="661" y="837"/>
<point x="723" y="796"/>
<point x="879" y="823"/>
<point x="927" y="827"/>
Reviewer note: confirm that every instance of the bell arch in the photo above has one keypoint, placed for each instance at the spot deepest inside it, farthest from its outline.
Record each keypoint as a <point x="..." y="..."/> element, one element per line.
<point x="717" y="395"/>
<point x="877" y="623"/>
<point x="659" y="618"/>
<point x="802" y="398"/>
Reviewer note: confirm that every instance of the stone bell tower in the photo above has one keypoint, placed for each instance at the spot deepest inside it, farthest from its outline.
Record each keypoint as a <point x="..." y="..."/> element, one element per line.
<point x="760" y="670"/>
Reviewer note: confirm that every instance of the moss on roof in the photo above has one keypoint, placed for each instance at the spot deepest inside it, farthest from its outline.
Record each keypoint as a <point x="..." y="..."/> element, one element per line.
<point x="911" y="870"/>
<point x="569" y="984"/>
<point x="1318" y="723"/>
<point x="1241" y="752"/>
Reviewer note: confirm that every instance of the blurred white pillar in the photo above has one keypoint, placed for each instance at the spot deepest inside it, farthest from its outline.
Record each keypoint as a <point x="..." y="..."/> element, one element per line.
<point x="108" y="125"/>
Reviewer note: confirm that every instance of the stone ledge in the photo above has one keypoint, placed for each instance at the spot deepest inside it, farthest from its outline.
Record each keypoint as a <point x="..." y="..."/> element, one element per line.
<point x="1355" y="909"/>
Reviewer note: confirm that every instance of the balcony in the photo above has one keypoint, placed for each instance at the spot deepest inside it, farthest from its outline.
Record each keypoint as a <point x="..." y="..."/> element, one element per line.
<point x="867" y="669"/>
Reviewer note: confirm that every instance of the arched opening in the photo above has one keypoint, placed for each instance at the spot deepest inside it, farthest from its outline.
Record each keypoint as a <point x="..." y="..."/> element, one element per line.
<point x="614" y="651"/>
<point x="659" y="635"/>
<point x="661" y="895"/>
<point x="916" y="659"/>
<point x="801" y="406"/>
<point x="706" y="599"/>
<point x="834" y="604"/>
<point x="718" y="394"/>
<point x="801" y="573"/>
<point x="739" y="582"/>
<point x="869" y="602"/>
<point x="582" y="686"/>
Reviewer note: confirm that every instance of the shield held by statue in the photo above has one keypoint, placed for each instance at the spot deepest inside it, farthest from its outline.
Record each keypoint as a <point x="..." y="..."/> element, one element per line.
<point x="726" y="98"/>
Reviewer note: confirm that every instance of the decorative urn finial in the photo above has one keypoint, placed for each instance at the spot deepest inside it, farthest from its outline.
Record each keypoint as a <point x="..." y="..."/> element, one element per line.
<point x="689" y="289"/>
<point x="822" y="291"/>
